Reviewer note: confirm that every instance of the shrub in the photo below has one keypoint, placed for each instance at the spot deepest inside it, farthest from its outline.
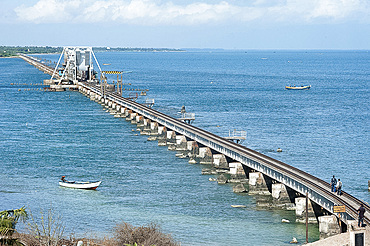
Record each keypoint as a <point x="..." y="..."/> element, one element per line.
<point x="126" y="234"/>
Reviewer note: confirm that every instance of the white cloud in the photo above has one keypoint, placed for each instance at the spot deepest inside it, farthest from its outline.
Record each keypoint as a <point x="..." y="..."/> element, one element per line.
<point x="151" y="12"/>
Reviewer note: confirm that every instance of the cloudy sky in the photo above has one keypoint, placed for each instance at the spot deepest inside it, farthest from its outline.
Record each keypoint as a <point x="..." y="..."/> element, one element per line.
<point x="228" y="24"/>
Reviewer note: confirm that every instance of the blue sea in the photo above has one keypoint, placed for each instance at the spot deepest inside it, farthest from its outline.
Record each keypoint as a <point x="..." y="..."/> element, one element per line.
<point x="323" y="131"/>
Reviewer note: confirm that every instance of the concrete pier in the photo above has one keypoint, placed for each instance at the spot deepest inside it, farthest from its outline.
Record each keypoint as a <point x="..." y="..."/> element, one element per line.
<point x="280" y="196"/>
<point x="219" y="161"/>
<point x="328" y="226"/>
<point x="257" y="184"/>
<point x="181" y="143"/>
<point x="192" y="148"/>
<point x="205" y="155"/>
<point x="237" y="171"/>
<point x="162" y="136"/>
<point x="171" y="140"/>
<point x="300" y="211"/>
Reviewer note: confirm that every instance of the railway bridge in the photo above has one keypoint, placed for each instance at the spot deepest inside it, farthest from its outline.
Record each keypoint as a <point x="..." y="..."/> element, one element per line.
<point x="286" y="184"/>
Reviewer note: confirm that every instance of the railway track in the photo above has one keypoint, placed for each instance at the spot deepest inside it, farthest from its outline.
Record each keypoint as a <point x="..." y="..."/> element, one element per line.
<point x="351" y="202"/>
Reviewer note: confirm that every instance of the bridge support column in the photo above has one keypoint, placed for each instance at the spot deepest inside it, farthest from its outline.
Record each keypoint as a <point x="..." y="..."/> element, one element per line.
<point x="257" y="184"/>
<point x="237" y="172"/>
<point x="219" y="161"/>
<point x="300" y="211"/>
<point x="153" y="133"/>
<point x="181" y="143"/>
<point x="146" y="127"/>
<point x="171" y="140"/>
<point x="205" y="155"/>
<point x="328" y="226"/>
<point x="154" y="128"/>
<point x="193" y="148"/>
<point x="139" y="121"/>
<point x="123" y="112"/>
<point x="280" y="196"/>
<point x="162" y="136"/>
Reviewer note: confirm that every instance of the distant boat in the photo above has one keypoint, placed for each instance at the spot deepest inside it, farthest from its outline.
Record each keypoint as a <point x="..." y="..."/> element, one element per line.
<point x="80" y="185"/>
<point x="303" y="87"/>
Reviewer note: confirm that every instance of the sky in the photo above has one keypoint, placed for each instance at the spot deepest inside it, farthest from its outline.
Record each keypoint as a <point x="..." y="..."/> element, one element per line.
<point x="228" y="24"/>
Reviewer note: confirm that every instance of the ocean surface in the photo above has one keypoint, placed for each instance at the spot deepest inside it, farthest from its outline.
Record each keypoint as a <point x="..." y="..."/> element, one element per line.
<point x="323" y="131"/>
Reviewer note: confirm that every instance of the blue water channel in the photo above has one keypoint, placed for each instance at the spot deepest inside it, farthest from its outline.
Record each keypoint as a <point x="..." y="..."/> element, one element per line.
<point x="323" y="131"/>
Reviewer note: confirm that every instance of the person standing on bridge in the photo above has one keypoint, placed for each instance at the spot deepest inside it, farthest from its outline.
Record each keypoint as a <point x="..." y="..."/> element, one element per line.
<point x="361" y="211"/>
<point x="339" y="187"/>
<point x="333" y="183"/>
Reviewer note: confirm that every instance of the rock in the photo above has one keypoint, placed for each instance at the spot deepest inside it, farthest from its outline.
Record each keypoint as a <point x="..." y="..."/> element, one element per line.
<point x="294" y="240"/>
<point x="238" y="206"/>
<point x="222" y="179"/>
<point x="239" y="188"/>
<point x="207" y="171"/>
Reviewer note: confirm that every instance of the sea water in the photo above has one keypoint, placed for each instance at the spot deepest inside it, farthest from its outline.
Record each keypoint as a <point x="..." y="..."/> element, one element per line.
<point x="323" y="131"/>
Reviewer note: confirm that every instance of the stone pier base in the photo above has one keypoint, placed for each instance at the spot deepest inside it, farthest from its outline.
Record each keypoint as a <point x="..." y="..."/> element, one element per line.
<point x="219" y="161"/>
<point x="257" y="184"/>
<point x="280" y="196"/>
<point x="328" y="226"/>
<point x="205" y="155"/>
<point x="300" y="211"/>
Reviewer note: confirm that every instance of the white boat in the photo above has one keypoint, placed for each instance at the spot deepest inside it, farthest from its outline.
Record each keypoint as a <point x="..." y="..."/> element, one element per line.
<point x="303" y="87"/>
<point x="80" y="185"/>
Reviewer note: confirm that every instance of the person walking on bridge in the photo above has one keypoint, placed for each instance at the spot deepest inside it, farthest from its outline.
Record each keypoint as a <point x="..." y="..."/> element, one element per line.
<point x="361" y="211"/>
<point x="333" y="184"/>
<point x="339" y="187"/>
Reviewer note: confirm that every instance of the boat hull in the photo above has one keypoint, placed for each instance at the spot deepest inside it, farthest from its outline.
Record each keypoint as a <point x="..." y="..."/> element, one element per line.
<point x="307" y="87"/>
<point x="80" y="185"/>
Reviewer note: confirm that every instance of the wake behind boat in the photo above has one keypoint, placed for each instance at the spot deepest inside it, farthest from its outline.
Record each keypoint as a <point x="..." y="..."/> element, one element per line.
<point x="303" y="87"/>
<point x="79" y="185"/>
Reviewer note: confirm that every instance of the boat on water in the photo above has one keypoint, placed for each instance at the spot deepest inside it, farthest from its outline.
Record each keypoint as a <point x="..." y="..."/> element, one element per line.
<point x="303" y="87"/>
<point x="79" y="185"/>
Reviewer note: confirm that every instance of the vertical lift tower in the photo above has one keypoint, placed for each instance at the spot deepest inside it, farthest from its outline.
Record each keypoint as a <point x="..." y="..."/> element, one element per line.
<point x="77" y="66"/>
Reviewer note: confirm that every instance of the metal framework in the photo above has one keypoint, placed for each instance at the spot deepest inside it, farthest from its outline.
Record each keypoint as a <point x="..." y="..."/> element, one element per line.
<point x="77" y="65"/>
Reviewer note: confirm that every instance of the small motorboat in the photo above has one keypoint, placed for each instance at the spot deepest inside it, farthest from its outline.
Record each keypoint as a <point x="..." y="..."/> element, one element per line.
<point x="303" y="87"/>
<point x="80" y="185"/>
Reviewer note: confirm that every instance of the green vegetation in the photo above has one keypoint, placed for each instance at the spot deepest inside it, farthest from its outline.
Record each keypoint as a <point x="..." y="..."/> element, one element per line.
<point x="9" y="51"/>
<point x="8" y="221"/>
<point x="48" y="231"/>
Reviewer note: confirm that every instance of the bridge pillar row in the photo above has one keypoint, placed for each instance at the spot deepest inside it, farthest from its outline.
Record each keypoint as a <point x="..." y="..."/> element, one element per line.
<point x="328" y="226"/>
<point x="257" y="184"/>
<point x="300" y="211"/>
